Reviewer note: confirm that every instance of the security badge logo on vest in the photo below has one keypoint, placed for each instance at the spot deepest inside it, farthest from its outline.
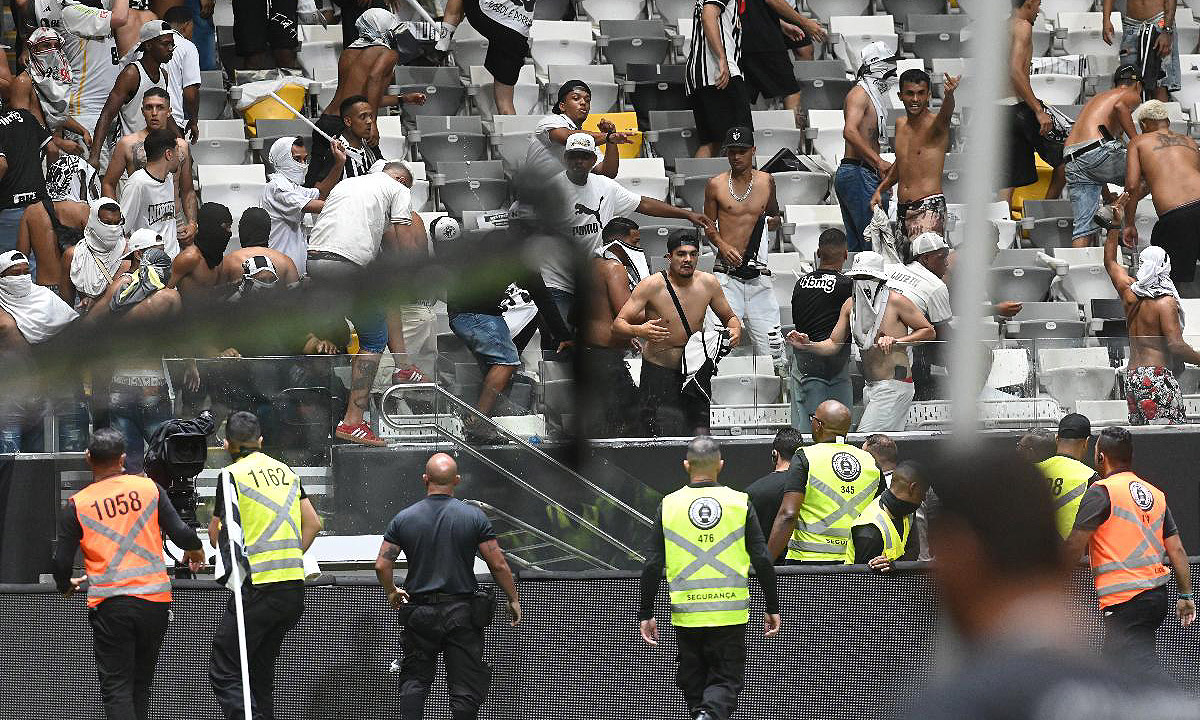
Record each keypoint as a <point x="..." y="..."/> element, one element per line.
<point x="1142" y="497"/>
<point x="846" y="466"/>
<point x="705" y="513"/>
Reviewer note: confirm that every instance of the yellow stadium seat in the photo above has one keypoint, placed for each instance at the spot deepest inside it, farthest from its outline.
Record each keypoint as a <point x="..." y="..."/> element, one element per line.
<point x="626" y="122"/>
<point x="269" y="108"/>
<point x="1036" y="191"/>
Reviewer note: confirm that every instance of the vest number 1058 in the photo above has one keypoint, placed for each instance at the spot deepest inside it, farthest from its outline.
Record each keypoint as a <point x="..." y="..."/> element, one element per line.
<point x="118" y="505"/>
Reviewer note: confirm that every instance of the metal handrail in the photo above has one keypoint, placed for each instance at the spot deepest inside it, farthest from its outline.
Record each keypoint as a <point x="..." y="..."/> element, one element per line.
<point x="458" y="402"/>
<point x="549" y="539"/>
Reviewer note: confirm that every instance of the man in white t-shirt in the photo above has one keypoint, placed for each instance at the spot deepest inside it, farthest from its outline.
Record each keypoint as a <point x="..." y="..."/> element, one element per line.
<point x="183" y="72"/>
<point x="286" y="200"/>
<point x="921" y="281"/>
<point x="588" y="202"/>
<point x="149" y="198"/>
<point x="362" y="214"/>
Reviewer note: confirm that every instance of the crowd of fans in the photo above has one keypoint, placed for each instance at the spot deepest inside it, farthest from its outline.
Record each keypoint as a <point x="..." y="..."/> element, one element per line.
<point x="101" y="224"/>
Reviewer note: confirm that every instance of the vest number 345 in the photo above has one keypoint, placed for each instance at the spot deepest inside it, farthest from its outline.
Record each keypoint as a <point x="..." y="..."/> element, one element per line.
<point x="118" y="505"/>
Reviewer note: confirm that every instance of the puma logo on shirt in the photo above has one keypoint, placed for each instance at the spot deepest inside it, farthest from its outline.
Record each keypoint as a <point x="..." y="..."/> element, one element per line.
<point x="589" y="228"/>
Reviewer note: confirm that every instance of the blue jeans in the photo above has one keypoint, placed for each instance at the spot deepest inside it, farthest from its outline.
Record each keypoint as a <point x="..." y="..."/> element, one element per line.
<point x="21" y="427"/>
<point x="137" y="412"/>
<point x="1086" y="177"/>
<point x="204" y="36"/>
<point x="855" y="184"/>
<point x="487" y="337"/>
<point x="809" y="391"/>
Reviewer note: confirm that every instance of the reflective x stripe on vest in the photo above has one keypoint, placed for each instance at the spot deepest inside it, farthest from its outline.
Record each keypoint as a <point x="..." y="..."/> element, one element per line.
<point x="273" y="557"/>
<point x="1126" y="551"/>
<point x="894" y="541"/>
<point x="826" y="537"/>
<point x="102" y="586"/>
<point x="707" y="563"/>
<point x="1068" y="479"/>
<point x="1148" y="553"/>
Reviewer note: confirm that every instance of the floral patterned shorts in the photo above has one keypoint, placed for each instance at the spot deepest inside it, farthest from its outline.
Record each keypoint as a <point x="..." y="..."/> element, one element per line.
<point x="1153" y="396"/>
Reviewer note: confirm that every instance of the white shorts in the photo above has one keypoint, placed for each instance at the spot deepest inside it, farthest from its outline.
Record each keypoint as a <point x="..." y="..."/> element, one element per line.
<point x="754" y="302"/>
<point x="887" y="404"/>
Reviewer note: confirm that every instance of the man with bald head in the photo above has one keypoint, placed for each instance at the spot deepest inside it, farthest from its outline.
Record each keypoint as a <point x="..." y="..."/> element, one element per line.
<point x="707" y="536"/>
<point x="830" y="483"/>
<point x="437" y="607"/>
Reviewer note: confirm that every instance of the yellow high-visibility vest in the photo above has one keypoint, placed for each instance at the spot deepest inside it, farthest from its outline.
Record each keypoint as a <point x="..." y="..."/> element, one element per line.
<point x="704" y="529"/>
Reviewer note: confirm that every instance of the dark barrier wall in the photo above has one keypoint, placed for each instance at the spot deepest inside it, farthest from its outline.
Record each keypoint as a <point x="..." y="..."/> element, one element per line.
<point x="28" y="509"/>
<point x="853" y="646"/>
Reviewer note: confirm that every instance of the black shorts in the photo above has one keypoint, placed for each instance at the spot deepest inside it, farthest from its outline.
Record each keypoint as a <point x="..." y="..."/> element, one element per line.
<point x="717" y="110"/>
<point x="507" y="48"/>
<point x="1178" y="232"/>
<point x="254" y="32"/>
<point x="1023" y="141"/>
<point x="769" y="74"/>
<point x="667" y="411"/>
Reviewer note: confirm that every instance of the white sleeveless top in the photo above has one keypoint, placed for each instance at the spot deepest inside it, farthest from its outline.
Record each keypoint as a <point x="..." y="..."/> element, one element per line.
<point x="131" y="112"/>
<point x="147" y="202"/>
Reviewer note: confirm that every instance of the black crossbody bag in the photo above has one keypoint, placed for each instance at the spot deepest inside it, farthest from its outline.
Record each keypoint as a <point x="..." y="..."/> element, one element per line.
<point x="702" y="381"/>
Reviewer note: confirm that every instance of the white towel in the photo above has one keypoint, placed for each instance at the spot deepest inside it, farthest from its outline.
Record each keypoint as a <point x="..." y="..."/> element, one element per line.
<point x="1154" y="276"/>
<point x="97" y="258"/>
<point x="870" y="301"/>
<point x="882" y="237"/>
<point x="39" y="312"/>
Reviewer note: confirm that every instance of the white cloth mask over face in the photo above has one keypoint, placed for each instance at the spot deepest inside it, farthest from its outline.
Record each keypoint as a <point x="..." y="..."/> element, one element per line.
<point x="283" y="162"/>
<point x="51" y="75"/>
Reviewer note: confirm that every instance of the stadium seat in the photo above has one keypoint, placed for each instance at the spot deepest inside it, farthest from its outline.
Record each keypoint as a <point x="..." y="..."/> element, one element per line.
<point x="1103" y="413"/>
<point x="805" y="223"/>
<point x="1086" y="278"/>
<point x="1106" y="317"/>
<point x="823" y="83"/>
<point x="655" y="231"/>
<point x="478" y="185"/>
<point x="601" y="10"/>
<point x="907" y="8"/>
<point x="1046" y="209"/>
<point x="450" y="139"/>
<point x="1079" y="33"/>
<point x="692" y="175"/>
<point x="221" y="142"/>
<point x="511" y="136"/>
<point x="673" y="134"/>
<point x="551" y="9"/>
<point x="1019" y="284"/>
<point x="946" y="66"/>
<point x="856" y="32"/>
<point x="1010" y="368"/>
<point x="775" y="130"/>
<point x="801" y="187"/>
<point x="650" y="88"/>
<point x="270" y="130"/>
<point x="561" y="42"/>
<point x="320" y="54"/>
<point x="1050" y="233"/>
<point x="233" y="192"/>
<point x="782" y="284"/>
<point x="745" y="389"/>
<point x="1074" y="374"/>
<point x="318" y="33"/>
<point x="825" y="129"/>
<point x="1045" y="320"/>
<point x="600" y="78"/>
<point x="625" y="122"/>
<point x="672" y="10"/>
<point x="1057" y="89"/>
<point x="644" y="176"/>
<point x="391" y="137"/>
<point x="1053" y="8"/>
<point x="997" y="213"/>
<point x="468" y="46"/>
<point x="213" y="103"/>
<point x="420" y="188"/>
<point x="643" y="42"/>
<point x="747" y="365"/>
<point x="684" y="26"/>
<point x="444" y="91"/>
<point x="527" y="94"/>
<point x="826" y="10"/>
<point x="934" y="36"/>
<point x="210" y="174"/>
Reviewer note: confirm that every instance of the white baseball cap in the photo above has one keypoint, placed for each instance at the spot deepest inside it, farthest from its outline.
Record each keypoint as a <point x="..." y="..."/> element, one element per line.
<point x="142" y="239"/>
<point x="868" y="264"/>
<point x="153" y="29"/>
<point x="445" y="228"/>
<point x="877" y="51"/>
<point x="928" y="242"/>
<point x="581" y="142"/>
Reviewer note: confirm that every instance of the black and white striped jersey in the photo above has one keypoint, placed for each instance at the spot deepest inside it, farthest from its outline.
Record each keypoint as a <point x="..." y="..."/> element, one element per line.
<point x="702" y="65"/>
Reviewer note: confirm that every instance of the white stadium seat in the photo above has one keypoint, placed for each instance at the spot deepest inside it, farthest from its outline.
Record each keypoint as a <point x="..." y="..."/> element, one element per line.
<point x="1074" y="374"/>
<point x="1080" y="32"/>
<point x="391" y="136"/>
<point x="562" y="42"/>
<point x="527" y="94"/>
<point x="825" y="129"/>
<point x="644" y="176"/>
<point x="807" y="223"/>
<point x="600" y="78"/>
<point x="859" y="31"/>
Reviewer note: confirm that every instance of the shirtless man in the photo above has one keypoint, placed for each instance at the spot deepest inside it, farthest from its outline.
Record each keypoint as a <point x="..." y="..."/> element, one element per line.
<point x="1156" y="346"/>
<point x="1149" y="43"/>
<point x="1094" y="154"/>
<point x="881" y="321"/>
<point x="922" y="139"/>
<point x="862" y="167"/>
<point x="196" y="269"/>
<point x="254" y="232"/>
<point x="129" y="155"/>
<point x="1168" y="164"/>
<point x="610" y="404"/>
<point x="666" y="409"/>
<point x="741" y="203"/>
<point x="1029" y="125"/>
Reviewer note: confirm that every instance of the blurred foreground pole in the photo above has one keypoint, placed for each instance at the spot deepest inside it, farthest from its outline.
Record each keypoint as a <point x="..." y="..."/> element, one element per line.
<point x="985" y="81"/>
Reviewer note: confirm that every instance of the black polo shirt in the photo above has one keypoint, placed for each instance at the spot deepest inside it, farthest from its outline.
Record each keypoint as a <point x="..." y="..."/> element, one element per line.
<point x="22" y="143"/>
<point x="440" y="537"/>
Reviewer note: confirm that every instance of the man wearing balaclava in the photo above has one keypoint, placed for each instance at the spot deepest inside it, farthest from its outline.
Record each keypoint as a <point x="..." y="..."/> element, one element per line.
<point x="254" y="231"/>
<point x="862" y="166"/>
<point x="286" y="200"/>
<point x="196" y="268"/>
<point x="96" y="261"/>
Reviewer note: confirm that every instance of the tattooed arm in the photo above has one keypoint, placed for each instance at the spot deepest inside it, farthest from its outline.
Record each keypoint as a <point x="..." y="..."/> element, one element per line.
<point x="385" y="566"/>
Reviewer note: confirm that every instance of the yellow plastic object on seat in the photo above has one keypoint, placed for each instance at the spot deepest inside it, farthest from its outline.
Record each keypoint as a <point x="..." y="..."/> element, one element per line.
<point x="1036" y="191"/>
<point x="626" y="122"/>
<point x="269" y="108"/>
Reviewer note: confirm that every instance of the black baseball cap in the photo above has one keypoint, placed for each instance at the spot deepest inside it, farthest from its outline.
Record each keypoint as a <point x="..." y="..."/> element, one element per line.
<point x="1074" y="427"/>
<point x="682" y="237"/>
<point x="738" y="136"/>
<point x="1126" y="73"/>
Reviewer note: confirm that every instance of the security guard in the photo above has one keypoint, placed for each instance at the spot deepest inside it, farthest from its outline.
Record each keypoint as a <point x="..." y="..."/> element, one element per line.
<point x="1054" y="457"/>
<point x="875" y="540"/>
<point x="831" y="484"/>
<point x="1127" y="527"/>
<point x="441" y="607"/>
<point x="118" y="521"/>
<point x="707" y="538"/>
<point x="278" y="525"/>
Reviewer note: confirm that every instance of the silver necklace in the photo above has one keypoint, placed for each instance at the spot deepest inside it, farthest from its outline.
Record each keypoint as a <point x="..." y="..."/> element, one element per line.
<point x="749" y="189"/>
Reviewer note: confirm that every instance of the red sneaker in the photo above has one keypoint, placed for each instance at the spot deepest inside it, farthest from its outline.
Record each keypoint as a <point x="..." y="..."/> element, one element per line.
<point x="360" y="434"/>
<point x="409" y="374"/>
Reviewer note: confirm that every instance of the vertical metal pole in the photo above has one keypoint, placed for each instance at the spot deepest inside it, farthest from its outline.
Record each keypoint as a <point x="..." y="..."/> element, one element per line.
<point x="986" y="81"/>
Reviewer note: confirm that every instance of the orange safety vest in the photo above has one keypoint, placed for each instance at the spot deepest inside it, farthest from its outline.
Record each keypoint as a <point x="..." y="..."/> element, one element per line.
<point x="1127" y="550"/>
<point x="122" y="543"/>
